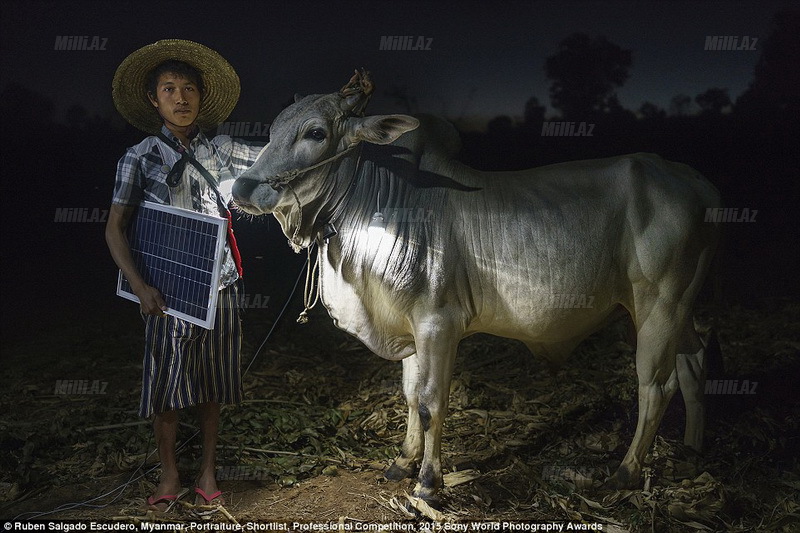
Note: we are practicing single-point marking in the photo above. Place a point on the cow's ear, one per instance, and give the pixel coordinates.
(383, 129)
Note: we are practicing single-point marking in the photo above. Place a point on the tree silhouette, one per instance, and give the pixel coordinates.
(614, 109)
(23, 107)
(499, 125)
(585, 72)
(680, 104)
(714, 100)
(776, 77)
(534, 112)
(650, 111)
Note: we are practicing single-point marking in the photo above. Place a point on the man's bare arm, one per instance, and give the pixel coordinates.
(150, 298)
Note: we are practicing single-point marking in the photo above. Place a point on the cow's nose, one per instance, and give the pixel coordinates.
(243, 188)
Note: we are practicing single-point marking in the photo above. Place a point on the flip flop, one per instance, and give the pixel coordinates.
(169, 499)
(208, 508)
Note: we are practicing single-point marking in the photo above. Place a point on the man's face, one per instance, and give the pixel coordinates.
(177, 99)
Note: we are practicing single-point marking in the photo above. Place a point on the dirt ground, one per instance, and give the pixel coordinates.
(323, 417)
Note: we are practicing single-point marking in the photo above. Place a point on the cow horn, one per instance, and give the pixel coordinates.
(356, 92)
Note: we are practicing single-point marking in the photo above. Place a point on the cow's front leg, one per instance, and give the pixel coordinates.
(436, 342)
(413, 445)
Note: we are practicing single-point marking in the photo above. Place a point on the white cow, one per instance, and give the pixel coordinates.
(494, 252)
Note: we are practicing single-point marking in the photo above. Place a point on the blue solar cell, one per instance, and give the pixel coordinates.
(179, 252)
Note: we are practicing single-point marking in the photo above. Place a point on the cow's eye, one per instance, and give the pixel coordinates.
(318, 134)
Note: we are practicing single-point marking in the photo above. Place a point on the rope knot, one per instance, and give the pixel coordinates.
(311, 291)
(356, 93)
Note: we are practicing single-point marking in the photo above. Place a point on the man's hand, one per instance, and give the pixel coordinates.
(151, 301)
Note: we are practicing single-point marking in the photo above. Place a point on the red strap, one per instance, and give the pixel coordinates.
(237, 257)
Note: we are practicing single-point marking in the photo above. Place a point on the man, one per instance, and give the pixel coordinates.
(177, 88)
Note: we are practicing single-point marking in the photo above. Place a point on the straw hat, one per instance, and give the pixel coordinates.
(130, 92)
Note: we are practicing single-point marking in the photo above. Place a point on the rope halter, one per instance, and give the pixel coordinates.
(355, 94)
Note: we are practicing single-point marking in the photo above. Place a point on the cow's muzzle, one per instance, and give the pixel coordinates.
(243, 188)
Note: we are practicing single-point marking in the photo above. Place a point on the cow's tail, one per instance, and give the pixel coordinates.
(715, 365)
(717, 298)
(715, 276)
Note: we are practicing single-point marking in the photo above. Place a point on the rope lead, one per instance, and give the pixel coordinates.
(311, 291)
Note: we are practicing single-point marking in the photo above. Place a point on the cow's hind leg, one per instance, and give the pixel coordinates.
(414, 443)
(657, 338)
(691, 368)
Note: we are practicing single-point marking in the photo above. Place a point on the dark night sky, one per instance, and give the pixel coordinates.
(486, 58)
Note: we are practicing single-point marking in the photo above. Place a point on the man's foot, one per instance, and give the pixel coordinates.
(207, 495)
(206, 504)
(204, 498)
(165, 502)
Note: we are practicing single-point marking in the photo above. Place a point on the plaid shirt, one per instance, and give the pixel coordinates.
(142, 173)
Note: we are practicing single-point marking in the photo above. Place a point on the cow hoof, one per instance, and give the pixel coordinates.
(431, 501)
(428, 494)
(397, 473)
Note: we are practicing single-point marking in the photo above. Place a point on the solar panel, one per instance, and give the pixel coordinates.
(179, 252)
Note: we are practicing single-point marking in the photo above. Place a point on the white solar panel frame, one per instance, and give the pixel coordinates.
(182, 285)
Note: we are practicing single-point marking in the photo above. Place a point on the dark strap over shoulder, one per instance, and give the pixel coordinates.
(188, 156)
